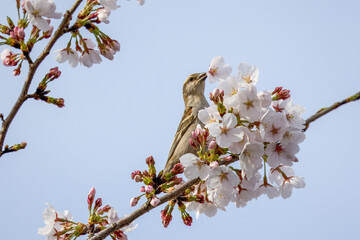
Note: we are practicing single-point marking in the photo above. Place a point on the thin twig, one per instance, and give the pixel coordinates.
(146, 207)
(32, 69)
(324, 111)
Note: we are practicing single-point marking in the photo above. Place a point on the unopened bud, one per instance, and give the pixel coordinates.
(228, 158)
(212, 144)
(214, 164)
(134, 201)
(149, 188)
(192, 143)
(216, 93)
(103, 210)
(142, 189)
(194, 134)
(177, 169)
(16, 72)
(137, 178)
(98, 203)
(155, 201)
(150, 161)
(60, 102)
(135, 173)
(91, 197)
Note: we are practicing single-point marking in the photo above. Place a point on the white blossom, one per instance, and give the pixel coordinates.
(250, 158)
(226, 133)
(209, 115)
(194, 167)
(273, 126)
(289, 184)
(207, 208)
(293, 115)
(51, 227)
(37, 9)
(279, 154)
(249, 104)
(248, 74)
(223, 179)
(67, 54)
(113, 218)
(109, 4)
(218, 70)
(103, 15)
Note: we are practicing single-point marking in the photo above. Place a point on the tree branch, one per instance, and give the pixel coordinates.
(32, 69)
(324, 111)
(146, 207)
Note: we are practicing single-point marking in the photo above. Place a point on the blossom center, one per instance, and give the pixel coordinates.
(212, 71)
(246, 78)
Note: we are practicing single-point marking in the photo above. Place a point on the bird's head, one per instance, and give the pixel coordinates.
(194, 86)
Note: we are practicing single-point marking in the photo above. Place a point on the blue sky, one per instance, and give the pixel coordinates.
(119, 112)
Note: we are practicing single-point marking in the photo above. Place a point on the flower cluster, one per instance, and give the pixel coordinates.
(61, 225)
(156, 184)
(86, 52)
(38, 14)
(259, 130)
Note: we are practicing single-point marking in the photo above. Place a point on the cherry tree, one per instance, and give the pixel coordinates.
(247, 147)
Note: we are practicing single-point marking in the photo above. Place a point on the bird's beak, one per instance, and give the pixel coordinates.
(202, 76)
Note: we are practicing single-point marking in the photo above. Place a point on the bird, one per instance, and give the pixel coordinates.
(194, 99)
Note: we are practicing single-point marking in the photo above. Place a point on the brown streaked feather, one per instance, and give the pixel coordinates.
(187, 119)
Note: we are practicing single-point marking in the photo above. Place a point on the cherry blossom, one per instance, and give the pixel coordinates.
(103, 15)
(109, 4)
(279, 154)
(226, 133)
(67, 54)
(218, 70)
(273, 126)
(51, 226)
(223, 179)
(37, 9)
(250, 158)
(90, 56)
(194, 167)
(248, 75)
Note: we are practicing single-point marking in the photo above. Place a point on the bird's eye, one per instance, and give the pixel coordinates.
(191, 79)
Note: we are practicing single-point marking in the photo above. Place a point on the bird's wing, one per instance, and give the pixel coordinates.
(186, 121)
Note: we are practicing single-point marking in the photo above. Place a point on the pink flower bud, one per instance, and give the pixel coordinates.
(211, 97)
(214, 164)
(228, 158)
(277, 89)
(194, 134)
(150, 160)
(149, 188)
(137, 178)
(16, 72)
(91, 196)
(98, 203)
(192, 143)
(222, 93)
(198, 132)
(134, 201)
(216, 93)
(154, 201)
(177, 169)
(142, 189)
(212, 144)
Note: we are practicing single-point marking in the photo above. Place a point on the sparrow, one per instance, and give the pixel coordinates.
(194, 99)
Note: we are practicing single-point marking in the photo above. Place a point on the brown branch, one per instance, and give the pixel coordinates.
(32, 69)
(324, 111)
(146, 207)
